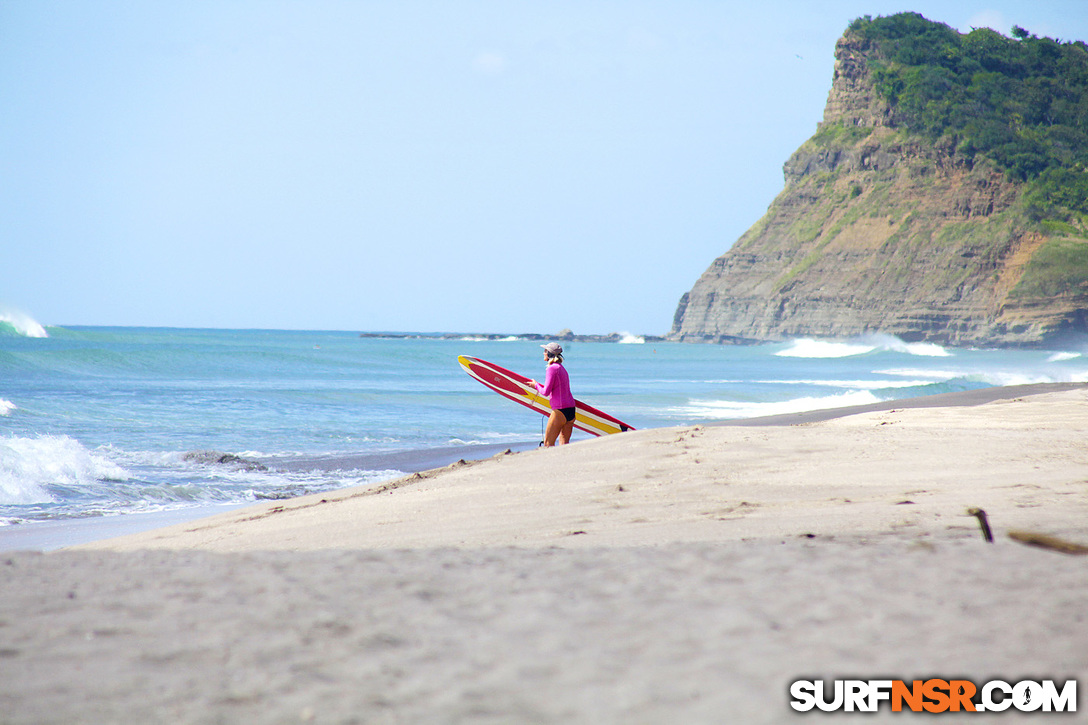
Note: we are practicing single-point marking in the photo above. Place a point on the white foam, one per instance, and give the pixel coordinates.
(471, 338)
(301, 483)
(487, 438)
(806, 347)
(23, 323)
(6, 406)
(851, 384)
(1005, 378)
(998, 378)
(809, 348)
(28, 465)
(626, 338)
(930, 375)
(728, 409)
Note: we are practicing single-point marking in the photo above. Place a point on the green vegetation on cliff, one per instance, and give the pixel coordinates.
(1059, 268)
(1021, 102)
(944, 197)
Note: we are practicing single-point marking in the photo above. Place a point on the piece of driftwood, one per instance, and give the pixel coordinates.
(1045, 541)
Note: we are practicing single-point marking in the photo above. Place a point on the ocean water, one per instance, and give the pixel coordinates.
(101, 421)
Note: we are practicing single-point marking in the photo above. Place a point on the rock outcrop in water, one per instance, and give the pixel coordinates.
(883, 229)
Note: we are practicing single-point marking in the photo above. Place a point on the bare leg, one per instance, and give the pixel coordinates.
(556, 422)
(564, 436)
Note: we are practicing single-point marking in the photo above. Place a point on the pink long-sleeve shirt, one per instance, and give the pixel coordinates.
(556, 387)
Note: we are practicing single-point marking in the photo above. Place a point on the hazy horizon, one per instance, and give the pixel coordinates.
(468, 167)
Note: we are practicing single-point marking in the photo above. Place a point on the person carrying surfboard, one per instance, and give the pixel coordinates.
(523, 391)
(556, 389)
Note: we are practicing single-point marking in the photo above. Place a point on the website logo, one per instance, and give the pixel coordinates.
(933, 695)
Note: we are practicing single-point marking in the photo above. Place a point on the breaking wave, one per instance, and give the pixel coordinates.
(56, 477)
(30, 466)
(728, 409)
(996, 378)
(16, 322)
(805, 347)
(808, 348)
(482, 338)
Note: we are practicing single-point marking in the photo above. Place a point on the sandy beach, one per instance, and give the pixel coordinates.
(668, 575)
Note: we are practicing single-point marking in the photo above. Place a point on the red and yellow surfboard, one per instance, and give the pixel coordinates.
(517, 387)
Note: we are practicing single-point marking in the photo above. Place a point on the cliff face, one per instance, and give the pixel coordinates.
(878, 230)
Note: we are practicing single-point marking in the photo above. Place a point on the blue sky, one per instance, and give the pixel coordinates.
(425, 166)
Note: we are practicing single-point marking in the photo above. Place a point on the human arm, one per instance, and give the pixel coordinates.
(549, 382)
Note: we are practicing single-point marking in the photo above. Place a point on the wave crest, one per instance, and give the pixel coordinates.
(21, 323)
(806, 347)
(28, 466)
(809, 348)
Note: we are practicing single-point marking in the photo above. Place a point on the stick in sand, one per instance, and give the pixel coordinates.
(981, 516)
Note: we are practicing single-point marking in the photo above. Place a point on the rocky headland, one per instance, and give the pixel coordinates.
(887, 226)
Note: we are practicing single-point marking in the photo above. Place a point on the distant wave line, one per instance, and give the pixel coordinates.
(727, 409)
(807, 347)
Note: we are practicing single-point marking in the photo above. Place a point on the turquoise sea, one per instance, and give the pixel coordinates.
(106, 422)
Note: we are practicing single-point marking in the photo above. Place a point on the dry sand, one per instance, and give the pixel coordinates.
(661, 576)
